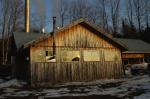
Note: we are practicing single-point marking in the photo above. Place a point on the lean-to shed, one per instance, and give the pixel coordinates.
(137, 51)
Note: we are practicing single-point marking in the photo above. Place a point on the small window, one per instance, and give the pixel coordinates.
(69, 56)
(111, 55)
(49, 56)
(48, 53)
(91, 55)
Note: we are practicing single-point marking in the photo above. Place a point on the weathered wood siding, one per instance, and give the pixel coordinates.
(45, 74)
(77, 38)
(37, 51)
(132, 55)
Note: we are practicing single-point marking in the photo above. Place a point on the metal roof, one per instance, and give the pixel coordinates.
(134, 45)
(22, 38)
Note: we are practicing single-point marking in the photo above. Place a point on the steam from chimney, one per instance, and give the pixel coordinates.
(41, 11)
(56, 10)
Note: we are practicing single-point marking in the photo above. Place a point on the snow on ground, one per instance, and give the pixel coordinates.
(1, 80)
(137, 87)
(143, 96)
(12, 83)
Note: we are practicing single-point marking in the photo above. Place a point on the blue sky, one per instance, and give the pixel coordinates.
(48, 10)
(49, 6)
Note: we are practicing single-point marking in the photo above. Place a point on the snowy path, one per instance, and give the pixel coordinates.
(136, 88)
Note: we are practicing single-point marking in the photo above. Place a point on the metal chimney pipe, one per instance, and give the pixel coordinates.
(27, 16)
(54, 27)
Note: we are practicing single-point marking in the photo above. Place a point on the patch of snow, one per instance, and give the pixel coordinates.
(113, 91)
(128, 72)
(123, 88)
(52, 60)
(1, 97)
(9, 90)
(23, 93)
(55, 92)
(12, 83)
(142, 65)
(8, 77)
(136, 81)
(6, 95)
(2, 80)
(143, 96)
(18, 94)
(96, 82)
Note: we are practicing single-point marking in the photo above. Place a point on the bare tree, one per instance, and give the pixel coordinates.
(9, 23)
(4, 23)
(147, 12)
(102, 6)
(129, 10)
(38, 16)
(138, 8)
(115, 14)
(63, 11)
(81, 9)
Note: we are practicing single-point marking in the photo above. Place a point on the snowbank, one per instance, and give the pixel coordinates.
(126, 87)
(1, 80)
(12, 83)
(143, 96)
(122, 88)
(97, 82)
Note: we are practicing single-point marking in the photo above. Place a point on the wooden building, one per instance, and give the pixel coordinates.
(137, 52)
(78, 52)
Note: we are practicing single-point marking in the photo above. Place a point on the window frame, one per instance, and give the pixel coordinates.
(99, 55)
(49, 53)
(66, 49)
